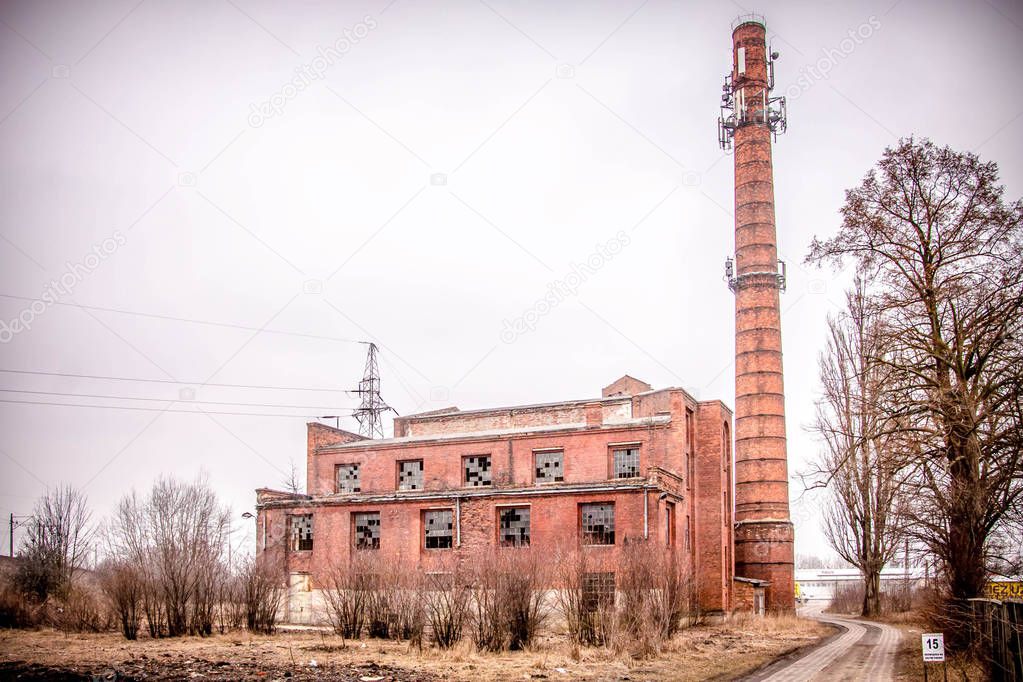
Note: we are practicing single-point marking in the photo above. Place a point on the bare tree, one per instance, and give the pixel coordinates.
(860, 463)
(60, 535)
(293, 482)
(929, 229)
(176, 539)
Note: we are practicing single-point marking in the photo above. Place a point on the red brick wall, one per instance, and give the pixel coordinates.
(553, 526)
(586, 458)
(625, 386)
(318, 436)
(744, 596)
(712, 494)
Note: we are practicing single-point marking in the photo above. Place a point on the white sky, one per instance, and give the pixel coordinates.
(557, 125)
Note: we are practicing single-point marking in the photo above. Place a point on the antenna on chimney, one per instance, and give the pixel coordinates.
(369, 412)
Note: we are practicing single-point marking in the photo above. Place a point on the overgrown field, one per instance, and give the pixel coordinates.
(704, 652)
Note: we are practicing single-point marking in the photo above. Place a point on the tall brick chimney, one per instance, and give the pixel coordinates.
(750, 117)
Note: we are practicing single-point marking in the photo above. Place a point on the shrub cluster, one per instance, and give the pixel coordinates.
(635, 605)
(502, 599)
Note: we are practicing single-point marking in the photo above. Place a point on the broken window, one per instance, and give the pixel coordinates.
(437, 529)
(598, 590)
(477, 470)
(626, 462)
(301, 532)
(550, 466)
(597, 523)
(367, 530)
(513, 526)
(347, 478)
(410, 475)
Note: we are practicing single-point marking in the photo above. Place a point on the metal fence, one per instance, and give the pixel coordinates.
(997, 629)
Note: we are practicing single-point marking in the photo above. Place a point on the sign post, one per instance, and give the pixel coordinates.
(932, 645)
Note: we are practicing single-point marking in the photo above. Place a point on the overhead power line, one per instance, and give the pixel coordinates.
(157, 409)
(172, 318)
(171, 381)
(168, 400)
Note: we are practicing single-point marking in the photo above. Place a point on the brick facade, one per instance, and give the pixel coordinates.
(675, 459)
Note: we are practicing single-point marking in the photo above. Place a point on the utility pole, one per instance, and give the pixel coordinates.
(372, 406)
(16, 522)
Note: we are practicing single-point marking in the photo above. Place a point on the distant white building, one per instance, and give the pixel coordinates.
(819, 584)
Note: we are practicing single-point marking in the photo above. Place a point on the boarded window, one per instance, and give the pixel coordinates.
(513, 526)
(437, 529)
(477, 470)
(626, 462)
(301, 532)
(550, 467)
(598, 590)
(597, 523)
(367, 530)
(410, 475)
(348, 478)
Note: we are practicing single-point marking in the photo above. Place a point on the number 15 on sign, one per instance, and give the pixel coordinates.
(932, 645)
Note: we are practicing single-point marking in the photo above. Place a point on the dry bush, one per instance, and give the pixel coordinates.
(636, 608)
(900, 598)
(123, 586)
(231, 607)
(262, 592)
(347, 589)
(587, 609)
(81, 610)
(15, 610)
(447, 600)
(656, 596)
(408, 607)
(382, 601)
(487, 615)
(524, 595)
(847, 599)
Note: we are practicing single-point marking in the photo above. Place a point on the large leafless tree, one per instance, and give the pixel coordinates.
(59, 538)
(860, 463)
(930, 229)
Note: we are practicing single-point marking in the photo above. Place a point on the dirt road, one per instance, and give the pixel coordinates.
(861, 651)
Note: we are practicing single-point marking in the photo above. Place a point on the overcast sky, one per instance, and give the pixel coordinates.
(308, 175)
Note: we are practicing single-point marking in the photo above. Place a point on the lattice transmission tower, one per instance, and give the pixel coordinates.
(372, 406)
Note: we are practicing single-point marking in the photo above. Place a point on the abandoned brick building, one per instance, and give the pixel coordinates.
(635, 463)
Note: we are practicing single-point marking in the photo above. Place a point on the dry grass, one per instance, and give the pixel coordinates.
(697, 653)
(909, 660)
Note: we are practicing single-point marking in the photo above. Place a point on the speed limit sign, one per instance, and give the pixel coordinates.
(933, 644)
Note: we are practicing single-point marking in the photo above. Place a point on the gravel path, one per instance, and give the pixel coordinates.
(862, 651)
